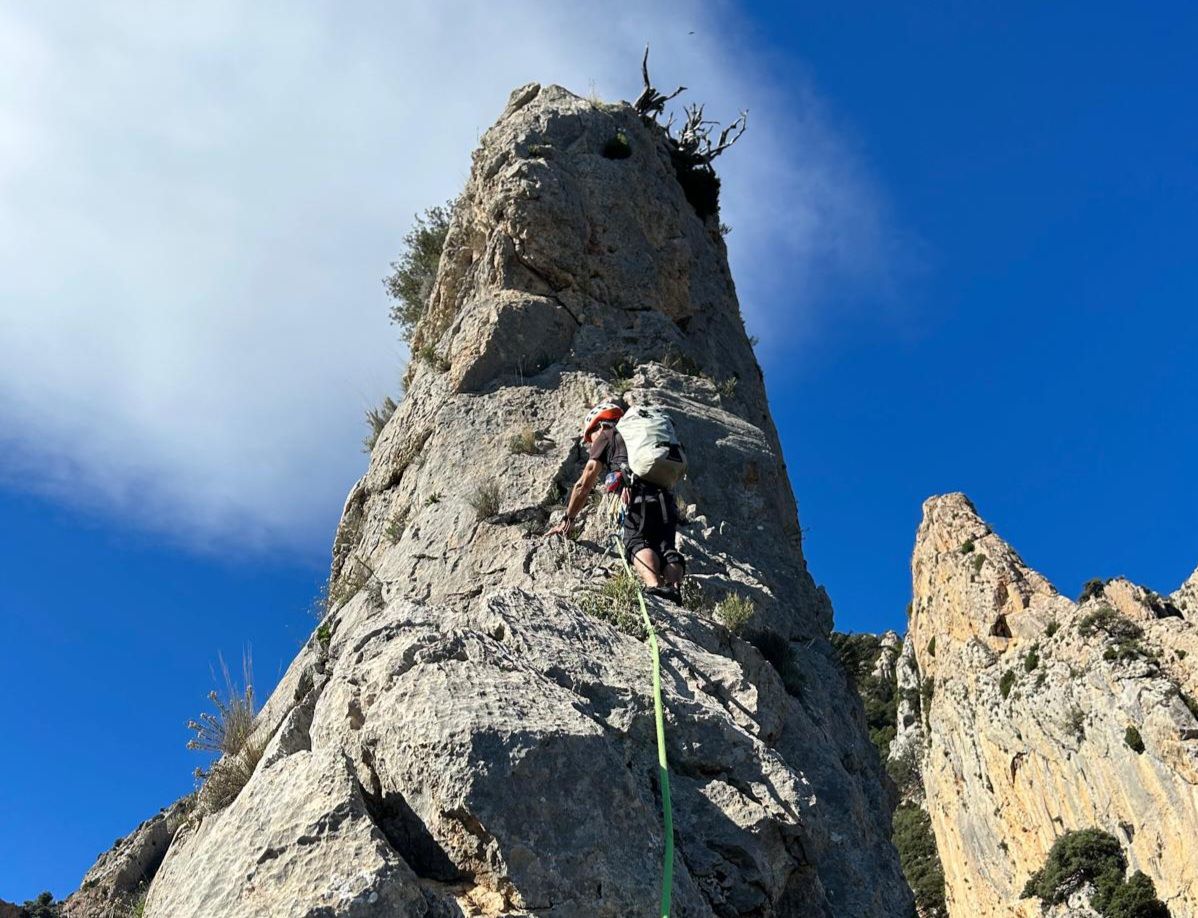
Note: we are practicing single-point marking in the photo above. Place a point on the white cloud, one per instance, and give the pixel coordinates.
(197, 203)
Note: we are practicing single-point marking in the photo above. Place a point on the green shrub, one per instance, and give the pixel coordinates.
(1005, 683)
(1092, 588)
(978, 561)
(1075, 722)
(967, 546)
(857, 654)
(1133, 740)
(1111, 623)
(410, 283)
(485, 501)
(1052, 627)
(1091, 856)
(1032, 658)
(920, 861)
(434, 498)
(727, 387)
(376, 420)
(927, 688)
(616, 603)
(778, 653)
(324, 635)
(734, 612)
(1122, 633)
(904, 770)
(524, 442)
(43, 906)
(428, 354)
(1136, 899)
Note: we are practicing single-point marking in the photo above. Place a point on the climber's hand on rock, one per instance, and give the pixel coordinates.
(562, 529)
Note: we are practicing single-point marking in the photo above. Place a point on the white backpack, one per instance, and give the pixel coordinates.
(654, 453)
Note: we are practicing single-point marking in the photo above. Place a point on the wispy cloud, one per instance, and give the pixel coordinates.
(197, 204)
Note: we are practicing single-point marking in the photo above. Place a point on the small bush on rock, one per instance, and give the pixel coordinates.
(1091, 856)
(1133, 740)
(617, 604)
(376, 420)
(1032, 658)
(1005, 683)
(1092, 588)
(410, 283)
(734, 612)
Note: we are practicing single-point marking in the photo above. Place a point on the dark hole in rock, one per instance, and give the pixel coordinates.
(617, 147)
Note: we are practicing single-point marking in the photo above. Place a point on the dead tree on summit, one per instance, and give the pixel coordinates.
(694, 140)
(650, 102)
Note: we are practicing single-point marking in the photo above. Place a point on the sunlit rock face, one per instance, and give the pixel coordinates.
(1047, 715)
(462, 737)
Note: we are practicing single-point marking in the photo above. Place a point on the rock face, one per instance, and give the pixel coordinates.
(1047, 715)
(460, 737)
(122, 873)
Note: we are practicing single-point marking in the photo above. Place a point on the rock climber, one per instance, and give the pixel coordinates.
(650, 514)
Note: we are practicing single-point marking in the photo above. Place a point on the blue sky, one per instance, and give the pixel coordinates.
(965, 235)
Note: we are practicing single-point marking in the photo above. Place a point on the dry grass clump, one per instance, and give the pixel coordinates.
(228, 732)
(524, 442)
(485, 501)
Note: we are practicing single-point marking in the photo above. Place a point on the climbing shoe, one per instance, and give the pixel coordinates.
(665, 592)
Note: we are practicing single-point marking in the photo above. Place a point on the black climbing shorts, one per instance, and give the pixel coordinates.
(651, 521)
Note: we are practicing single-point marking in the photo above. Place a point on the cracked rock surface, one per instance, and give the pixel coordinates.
(1033, 698)
(465, 738)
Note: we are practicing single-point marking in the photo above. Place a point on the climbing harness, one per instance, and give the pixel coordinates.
(667, 813)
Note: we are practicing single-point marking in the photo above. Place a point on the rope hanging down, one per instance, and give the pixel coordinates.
(667, 812)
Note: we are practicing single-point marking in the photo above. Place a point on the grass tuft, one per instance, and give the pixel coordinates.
(228, 732)
(485, 501)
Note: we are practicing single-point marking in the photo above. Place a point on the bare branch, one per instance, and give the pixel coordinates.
(651, 102)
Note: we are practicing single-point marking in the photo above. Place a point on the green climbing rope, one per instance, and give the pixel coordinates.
(667, 812)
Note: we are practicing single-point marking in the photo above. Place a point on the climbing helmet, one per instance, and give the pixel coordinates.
(603, 413)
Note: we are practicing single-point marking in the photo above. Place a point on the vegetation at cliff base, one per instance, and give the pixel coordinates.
(1093, 857)
(413, 273)
(43, 906)
(858, 653)
(920, 860)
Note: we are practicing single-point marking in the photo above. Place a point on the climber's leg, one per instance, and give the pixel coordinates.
(647, 566)
(675, 568)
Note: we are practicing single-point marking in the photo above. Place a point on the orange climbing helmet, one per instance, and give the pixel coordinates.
(603, 413)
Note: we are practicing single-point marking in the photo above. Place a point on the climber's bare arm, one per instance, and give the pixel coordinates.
(578, 496)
